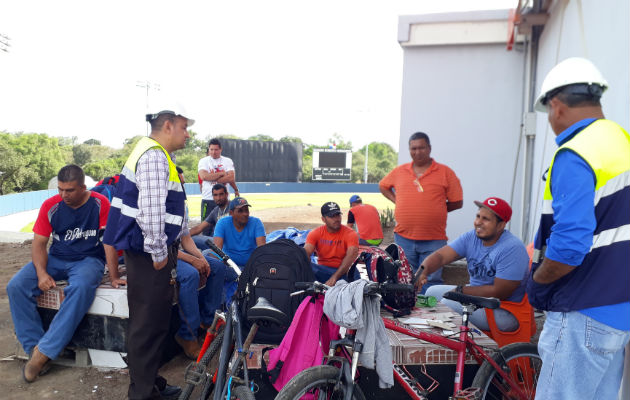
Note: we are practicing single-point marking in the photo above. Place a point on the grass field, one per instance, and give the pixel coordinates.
(262, 201)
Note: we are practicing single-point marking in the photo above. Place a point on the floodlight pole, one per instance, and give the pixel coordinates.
(365, 169)
(147, 85)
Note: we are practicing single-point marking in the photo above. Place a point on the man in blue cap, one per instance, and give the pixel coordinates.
(367, 220)
(239, 234)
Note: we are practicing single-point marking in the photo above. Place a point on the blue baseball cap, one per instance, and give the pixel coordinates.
(354, 198)
(238, 202)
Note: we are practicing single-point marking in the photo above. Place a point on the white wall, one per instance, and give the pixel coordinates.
(600, 32)
(468, 99)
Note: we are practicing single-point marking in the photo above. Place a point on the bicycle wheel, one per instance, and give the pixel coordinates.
(211, 351)
(320, 381)
(521, 361)
(242, 393)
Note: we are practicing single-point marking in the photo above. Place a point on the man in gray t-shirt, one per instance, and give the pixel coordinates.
(205, 230)
(497, 263)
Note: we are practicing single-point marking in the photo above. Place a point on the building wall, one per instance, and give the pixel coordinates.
(598, 31)
(468, 98)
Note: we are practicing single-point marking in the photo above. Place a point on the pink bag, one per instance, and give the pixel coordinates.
(305, 343)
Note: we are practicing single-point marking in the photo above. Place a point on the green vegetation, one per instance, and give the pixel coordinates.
(29, 160)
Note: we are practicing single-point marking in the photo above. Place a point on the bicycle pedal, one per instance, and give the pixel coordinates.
(192, 375)
(467, 394)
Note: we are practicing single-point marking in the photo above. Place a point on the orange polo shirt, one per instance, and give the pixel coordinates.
(421, 202)
(331, 248)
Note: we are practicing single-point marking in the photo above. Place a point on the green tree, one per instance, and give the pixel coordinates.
(81, 154)
(381, 160)
(37, 155)
(104, 168)
(261, 137)
(92, 142)
(290, 139)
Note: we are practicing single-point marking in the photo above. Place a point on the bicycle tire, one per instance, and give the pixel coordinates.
(317, 378)
(242, 393)
(521, 360)
(211, 351)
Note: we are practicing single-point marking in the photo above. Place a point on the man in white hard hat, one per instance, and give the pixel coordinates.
(147, 220)
(580, 272)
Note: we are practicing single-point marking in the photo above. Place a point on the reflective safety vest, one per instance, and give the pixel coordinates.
(122, 230)
(603, 278)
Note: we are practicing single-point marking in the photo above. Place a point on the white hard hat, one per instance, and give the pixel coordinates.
(570, 71)
(172, 107)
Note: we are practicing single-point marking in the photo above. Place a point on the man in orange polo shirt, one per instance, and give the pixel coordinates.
(336, 245)
(367, 220)
(424, 191)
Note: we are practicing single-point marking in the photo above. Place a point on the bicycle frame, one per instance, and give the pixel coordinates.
(463, 345)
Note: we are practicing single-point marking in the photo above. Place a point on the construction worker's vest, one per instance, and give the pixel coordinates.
(122, 231)
(603, 278)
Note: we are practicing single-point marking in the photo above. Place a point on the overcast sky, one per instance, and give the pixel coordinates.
(299, 68)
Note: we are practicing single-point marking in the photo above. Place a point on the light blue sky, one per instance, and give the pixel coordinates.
(290, 67)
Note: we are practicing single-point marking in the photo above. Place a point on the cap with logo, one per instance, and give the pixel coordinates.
(499, 207)
(330, 209)
(238, 202)
(354, 198)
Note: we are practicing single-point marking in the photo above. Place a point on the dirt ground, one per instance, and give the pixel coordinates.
(92, 383)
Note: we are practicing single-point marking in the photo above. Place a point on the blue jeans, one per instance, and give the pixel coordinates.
(83, 278)
(198, 306)
(323, 273)
(200, 241)
(582, 358)
(416, 251)
(504, 319)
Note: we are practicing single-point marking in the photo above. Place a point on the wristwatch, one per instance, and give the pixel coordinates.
(459, 289)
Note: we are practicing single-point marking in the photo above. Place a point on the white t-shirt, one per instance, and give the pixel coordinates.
(213, 165)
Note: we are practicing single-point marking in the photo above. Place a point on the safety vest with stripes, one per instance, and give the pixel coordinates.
(603, 278)
(122, 230)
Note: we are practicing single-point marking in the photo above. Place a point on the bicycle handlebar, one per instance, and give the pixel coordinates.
(224, 257)
(370, 288)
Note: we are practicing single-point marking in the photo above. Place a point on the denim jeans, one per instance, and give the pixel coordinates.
(416, 251)
(323, 273)
(504, 319)
(200, 241)
(198, 306)
(83, 278)
(582, 358)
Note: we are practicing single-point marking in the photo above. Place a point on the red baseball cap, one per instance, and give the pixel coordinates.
(498, 206)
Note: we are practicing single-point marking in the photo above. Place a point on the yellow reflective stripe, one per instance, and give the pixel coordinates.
(610, 236)
(174, 219)
(613, 186)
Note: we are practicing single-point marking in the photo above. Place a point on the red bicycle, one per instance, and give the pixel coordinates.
(510, 372)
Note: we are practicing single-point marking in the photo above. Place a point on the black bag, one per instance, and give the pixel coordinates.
(271, 272)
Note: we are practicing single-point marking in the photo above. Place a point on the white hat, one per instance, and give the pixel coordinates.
(172, 107)
(571, 71)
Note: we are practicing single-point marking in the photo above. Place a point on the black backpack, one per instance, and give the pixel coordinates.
(271, 272)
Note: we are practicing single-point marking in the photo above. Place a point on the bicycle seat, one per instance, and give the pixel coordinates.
(478, 301)
(264, 311)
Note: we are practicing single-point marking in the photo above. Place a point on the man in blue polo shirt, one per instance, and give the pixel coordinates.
(580, 270)
(239, 234)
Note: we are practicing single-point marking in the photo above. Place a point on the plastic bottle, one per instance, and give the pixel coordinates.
(426, 301)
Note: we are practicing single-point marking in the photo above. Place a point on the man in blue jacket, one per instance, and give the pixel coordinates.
(580, 271)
